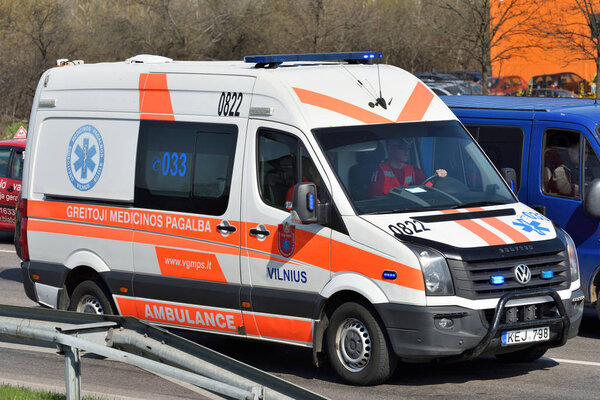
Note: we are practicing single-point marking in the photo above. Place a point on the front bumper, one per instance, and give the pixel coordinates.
(416, 332)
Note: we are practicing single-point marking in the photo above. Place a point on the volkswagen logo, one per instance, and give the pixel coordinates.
(522, 273)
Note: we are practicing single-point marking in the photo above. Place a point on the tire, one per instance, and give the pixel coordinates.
(90, 297)
(598, 303)
(523, 356)
(357, 346)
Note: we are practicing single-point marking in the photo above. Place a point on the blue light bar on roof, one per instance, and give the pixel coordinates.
(357, 56)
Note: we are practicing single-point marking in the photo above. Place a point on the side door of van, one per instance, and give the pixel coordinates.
(187, 189)
(285, 265)
(564, 161)
(506, 144)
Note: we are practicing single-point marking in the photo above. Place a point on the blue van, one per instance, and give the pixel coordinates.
(553, 146)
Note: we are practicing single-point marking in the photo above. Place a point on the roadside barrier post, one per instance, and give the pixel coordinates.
(72, 372)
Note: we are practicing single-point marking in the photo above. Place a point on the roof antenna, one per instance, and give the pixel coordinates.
(380, 101)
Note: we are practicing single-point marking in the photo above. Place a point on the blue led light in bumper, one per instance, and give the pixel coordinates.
(497, 280)
(390, 275)
(547, 274)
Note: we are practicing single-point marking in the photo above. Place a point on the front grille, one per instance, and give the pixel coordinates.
(472, 280)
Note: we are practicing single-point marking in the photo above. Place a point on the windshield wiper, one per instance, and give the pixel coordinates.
(406, 210)
(480, 204)
(386, 212)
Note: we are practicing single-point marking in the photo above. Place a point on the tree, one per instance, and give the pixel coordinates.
(489, 28)
(576, 37)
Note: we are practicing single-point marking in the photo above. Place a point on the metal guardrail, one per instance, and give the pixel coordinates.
(128, 340)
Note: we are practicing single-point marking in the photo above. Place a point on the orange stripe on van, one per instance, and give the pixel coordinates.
(250, 324)
(284, 328)
(508, 230)
(339, 106)
(489, 237)
(187, 225)
(343, 257)
(417, 104)
(308, 247)
(155, 98)
(349, 258)
(126, 306)
(66, 228)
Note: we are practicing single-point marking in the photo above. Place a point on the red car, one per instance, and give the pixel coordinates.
(11, 171)
(509, 84)
(562, 80)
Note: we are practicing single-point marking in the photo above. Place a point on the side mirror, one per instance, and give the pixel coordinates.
(510, 176)
(591, 202)
(306, 208)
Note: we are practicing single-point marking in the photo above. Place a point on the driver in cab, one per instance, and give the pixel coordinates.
(396, 171)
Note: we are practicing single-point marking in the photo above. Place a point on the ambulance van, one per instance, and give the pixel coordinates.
(260, 199)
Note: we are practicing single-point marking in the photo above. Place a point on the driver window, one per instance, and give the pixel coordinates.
(281, 157)
(560, 174)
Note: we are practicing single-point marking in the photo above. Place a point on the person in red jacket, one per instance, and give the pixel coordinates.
(396, 171)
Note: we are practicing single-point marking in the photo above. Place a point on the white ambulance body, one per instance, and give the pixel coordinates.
(162, 190)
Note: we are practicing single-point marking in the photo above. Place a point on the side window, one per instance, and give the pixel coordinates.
(16, 169)
(503, 145)
(184, 166)
(591, 164)
(4, 160)
(560, 173)
(280, 159)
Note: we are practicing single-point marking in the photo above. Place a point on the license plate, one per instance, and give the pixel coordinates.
(526, 336)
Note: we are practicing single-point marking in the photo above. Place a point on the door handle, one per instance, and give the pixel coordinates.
(259, 232)
(226, 228)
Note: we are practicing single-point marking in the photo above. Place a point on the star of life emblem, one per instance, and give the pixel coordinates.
(85, 158)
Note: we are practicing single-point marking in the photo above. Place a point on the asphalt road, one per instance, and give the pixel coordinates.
(569, 372)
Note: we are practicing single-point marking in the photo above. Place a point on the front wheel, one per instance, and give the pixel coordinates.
(523, 356)
(357, 346)
(89, 297)
(598, 303)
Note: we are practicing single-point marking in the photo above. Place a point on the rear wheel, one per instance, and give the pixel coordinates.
(523, 356)
(357, 346)
(90, 297)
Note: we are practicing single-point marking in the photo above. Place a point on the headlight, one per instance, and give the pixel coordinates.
(438, 281)
(573, 261)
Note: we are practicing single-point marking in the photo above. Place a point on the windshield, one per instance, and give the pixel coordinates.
(411, 167)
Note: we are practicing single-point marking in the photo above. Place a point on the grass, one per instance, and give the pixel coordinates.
(19, 393)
